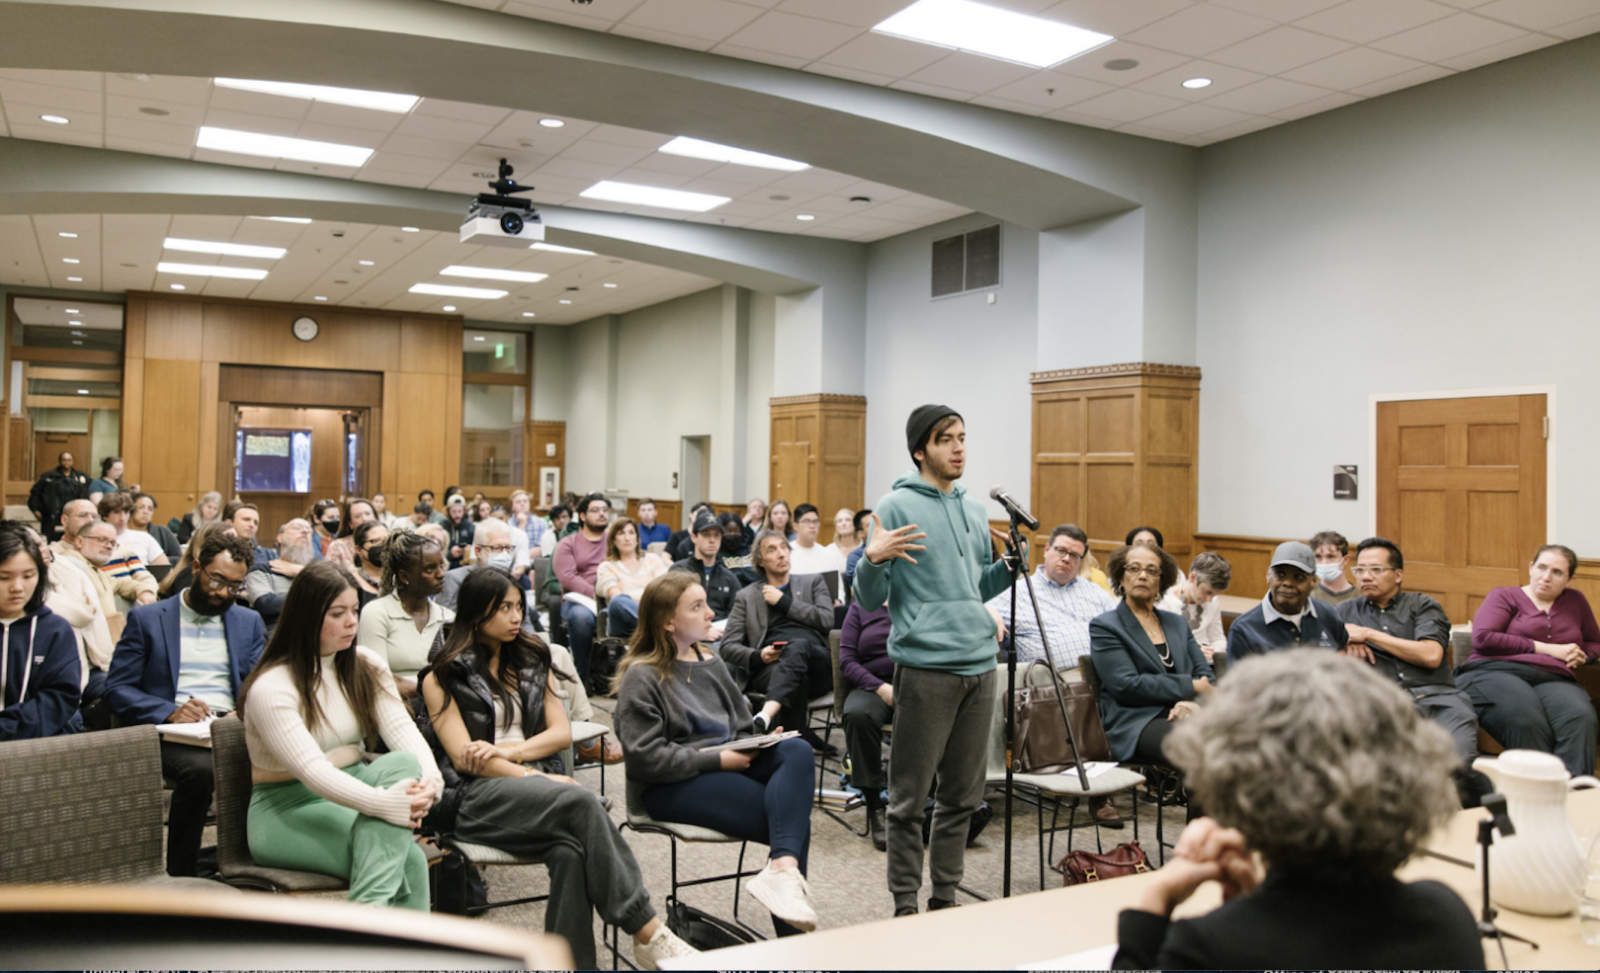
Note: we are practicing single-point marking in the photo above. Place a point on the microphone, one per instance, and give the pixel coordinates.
(1018, 513)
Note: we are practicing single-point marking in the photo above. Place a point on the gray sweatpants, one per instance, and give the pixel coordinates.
(941, 728)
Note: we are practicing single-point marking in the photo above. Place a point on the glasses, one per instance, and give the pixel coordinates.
(1368, 572)
(213, 584)
(107, 541)
(1134, 571)
(809, 521)
(496, 548)
(1064, 553)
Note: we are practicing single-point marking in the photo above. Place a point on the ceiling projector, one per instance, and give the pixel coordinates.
(500, 219)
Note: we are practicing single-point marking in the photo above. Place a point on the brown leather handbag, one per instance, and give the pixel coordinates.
(1042, 715)
(1086, 866)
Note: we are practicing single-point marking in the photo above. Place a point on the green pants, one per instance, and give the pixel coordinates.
(290, 827)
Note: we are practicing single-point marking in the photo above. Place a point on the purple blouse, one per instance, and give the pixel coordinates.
(864, 648)
(1508, 623)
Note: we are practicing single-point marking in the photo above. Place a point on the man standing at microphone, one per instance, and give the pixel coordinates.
(943, 646)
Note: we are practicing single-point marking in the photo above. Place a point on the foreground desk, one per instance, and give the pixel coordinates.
(1041, 926)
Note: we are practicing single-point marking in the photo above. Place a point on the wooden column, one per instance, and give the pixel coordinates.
(1116, 447)
(819, 448)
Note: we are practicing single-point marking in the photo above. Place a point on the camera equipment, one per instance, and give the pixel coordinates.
(500, 219)
(1499, 821)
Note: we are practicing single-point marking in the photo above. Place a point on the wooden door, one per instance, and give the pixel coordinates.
(47, 446)
(1461, 489)
(792, 474)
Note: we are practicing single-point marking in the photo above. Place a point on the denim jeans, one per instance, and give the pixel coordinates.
(622, 617)
(580, 635)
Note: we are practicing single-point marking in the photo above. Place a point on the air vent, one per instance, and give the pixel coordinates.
(967, 262)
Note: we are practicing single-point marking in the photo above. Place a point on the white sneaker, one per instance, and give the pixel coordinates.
(665, 944)
(786, 895)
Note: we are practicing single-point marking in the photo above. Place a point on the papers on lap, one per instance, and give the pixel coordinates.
(751, 743)
(197, 734)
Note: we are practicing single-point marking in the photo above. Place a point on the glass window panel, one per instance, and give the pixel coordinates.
(497, 352)
(491, 434)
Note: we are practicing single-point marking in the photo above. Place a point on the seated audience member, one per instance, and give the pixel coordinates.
(315, 702)
(324, 520)
(42, 677)
(1146, 535)
(755, 512)
(779, 520)
(720, 583)
(76, 515)
(266, 585)
(458, 531)
(531, 525)
(492, 702)
(438, 535)
(1333, 553)
(806, 556)
(1332, 777)
(142, 518)
(491, 547)
(1195, 598)
(380, 506)
(72, 594)
(183, 660)
(342, 549)
(139, 547)
(181, 577)
(109, 480)
(845, 537)
(776, 642)
(859, 525)
(1288, 617)
(1091, 570)
(401, 624)
(93, 548)
(681, 544)
(576, 564)
(425, 499)
(560, 520)
(1526, 642)
(367, 552)
(246, 520)
(1152, 672)
(207, 511)
(621, 577)
(1066, 602)
(674, 698)
(736, 555)
(481, 508)
(651, 532)
(421, 516)
(869, 673)
(54, 489)
(1405, 636)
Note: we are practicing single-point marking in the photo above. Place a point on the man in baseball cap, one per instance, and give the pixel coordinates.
(1288, 617)
(720, 583)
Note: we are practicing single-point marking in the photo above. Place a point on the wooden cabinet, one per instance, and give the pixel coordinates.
(819, 445)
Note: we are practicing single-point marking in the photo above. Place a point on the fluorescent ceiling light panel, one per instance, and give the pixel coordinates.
(223, 249)
(489, 273)
(284, 219)
(281, 147)
(443, 290)
(991, 31)
(555, 249)
(354, 97)
(625, 192)
(210, 270)
(700, 149)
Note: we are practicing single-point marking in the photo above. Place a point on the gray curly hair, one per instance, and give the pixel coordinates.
(1324, 767)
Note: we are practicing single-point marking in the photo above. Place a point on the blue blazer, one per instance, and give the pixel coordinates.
(142, 686)
(1134, 686)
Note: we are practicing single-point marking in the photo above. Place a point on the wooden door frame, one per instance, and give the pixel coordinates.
(1549, 393)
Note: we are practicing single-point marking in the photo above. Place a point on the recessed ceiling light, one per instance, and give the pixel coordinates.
(1121, 64)
(366, 263)
(354, 97)
(53, 119)
(73, 310)
(281, 147)
(83, 391)
(527, 314)
(77, 342)
(443, 290)
(210, 270)
(780, 197)
(805, 217)
(69, 260)
(478, 337)
(69, 236)
(555, 249)
(608, 285)
(563, 301)
(176, 287)
(701, 149)
(552, 123)
(134, 77)
(490, 273)
(624, 192)
(409, 229)
(283, 219)
(76, 280)
(991, 31)
(1197, 83)
(449, 307)
(223, 249)
(78, 334)
(319, 298)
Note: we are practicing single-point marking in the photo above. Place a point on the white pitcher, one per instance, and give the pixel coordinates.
(1541, 869)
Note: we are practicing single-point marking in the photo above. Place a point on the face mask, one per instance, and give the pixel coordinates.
(501, 561)
(331, 525)
(1329, 572)
(374, 555)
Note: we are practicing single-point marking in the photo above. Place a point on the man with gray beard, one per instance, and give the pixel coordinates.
(266, 584)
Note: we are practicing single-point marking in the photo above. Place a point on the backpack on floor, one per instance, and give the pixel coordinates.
(703, 930)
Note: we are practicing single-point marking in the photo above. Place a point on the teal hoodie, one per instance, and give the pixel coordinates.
(936, 605)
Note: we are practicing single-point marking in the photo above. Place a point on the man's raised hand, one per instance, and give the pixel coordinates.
(887, 545)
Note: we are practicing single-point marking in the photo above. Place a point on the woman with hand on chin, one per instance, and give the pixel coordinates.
(674, 696)
(313, 706)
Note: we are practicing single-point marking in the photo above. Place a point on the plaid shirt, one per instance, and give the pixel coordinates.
(1066, 611)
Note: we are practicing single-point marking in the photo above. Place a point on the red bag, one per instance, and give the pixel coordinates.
(1086, 866)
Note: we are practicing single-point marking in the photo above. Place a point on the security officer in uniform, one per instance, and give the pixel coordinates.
(53, 491)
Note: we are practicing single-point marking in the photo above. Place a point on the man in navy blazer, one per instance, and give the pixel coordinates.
(182, 660)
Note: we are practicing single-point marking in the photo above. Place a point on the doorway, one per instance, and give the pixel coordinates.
(262, 435)
(695, 467)
(1461, 487)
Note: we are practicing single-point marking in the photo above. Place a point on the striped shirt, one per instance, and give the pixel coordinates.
(1066, 609)
(203, 668)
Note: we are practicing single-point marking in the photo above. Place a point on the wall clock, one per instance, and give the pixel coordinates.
(305, 328)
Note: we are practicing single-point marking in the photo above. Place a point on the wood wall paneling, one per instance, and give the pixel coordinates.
(169, 468)
(174, 330)
(819, 453)
(539, 435)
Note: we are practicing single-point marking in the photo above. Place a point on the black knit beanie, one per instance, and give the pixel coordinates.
(923, 419)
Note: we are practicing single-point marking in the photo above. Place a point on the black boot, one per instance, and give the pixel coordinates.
(878, 828)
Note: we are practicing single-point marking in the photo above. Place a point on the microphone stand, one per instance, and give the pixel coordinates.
(1495, 804)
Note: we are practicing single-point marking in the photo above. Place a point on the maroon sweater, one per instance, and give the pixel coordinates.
(864, 648)
(1507, 624)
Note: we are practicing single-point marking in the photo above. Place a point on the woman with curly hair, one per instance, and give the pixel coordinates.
(1330, 775)
(401, 624)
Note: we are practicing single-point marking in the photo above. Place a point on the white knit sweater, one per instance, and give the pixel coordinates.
(280, 742)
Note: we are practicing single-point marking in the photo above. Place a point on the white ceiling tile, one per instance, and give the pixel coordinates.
(854, 13)
(1407, 79)
(663, 37)
(761, 57)
(1268, 96)
(1451, 37)
(1200, 29)
(849, 74)
(1049, 90)
(1362, 21)
(161, 88)
(341, 134)
(618, 135)
(1114, 17)
(1351, 69)
(149, 130)
(1223, 78)
(1465, 4)
(260, 124)
(972, 73)
(814, 181)
(118, 106)
(798, 37)
(1195, 119)
(651, 177)
(66, 101)
(1150, 132)
(91, 81)
(879, 192)
(676, 164)
(82, 126)
(605, 152)
(349, 117)
(117, 143)
(1317, 106)
(423, 148)
(1279, 50)
(1075, 118)
(1126, 105)
(1242, 128)
(1283, 11)
(1538, 14)
(443, 129)
(1003, 104)
(1093, 64)
(575, 169)
(1577, 28)
(711, 20)
(256, 103)
(486, 115)
(884, 55)
(559, 12)
(931, 90)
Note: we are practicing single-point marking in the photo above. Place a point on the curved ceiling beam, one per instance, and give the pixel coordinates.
(1037, 173)
(45, 177)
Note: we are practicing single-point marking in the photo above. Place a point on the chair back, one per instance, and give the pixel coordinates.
(1219, 665)
(230, 762)
(1086, 669)
(840, 690)
(1460, 646)
(541, 573)
(656, 547)
(82, 808)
